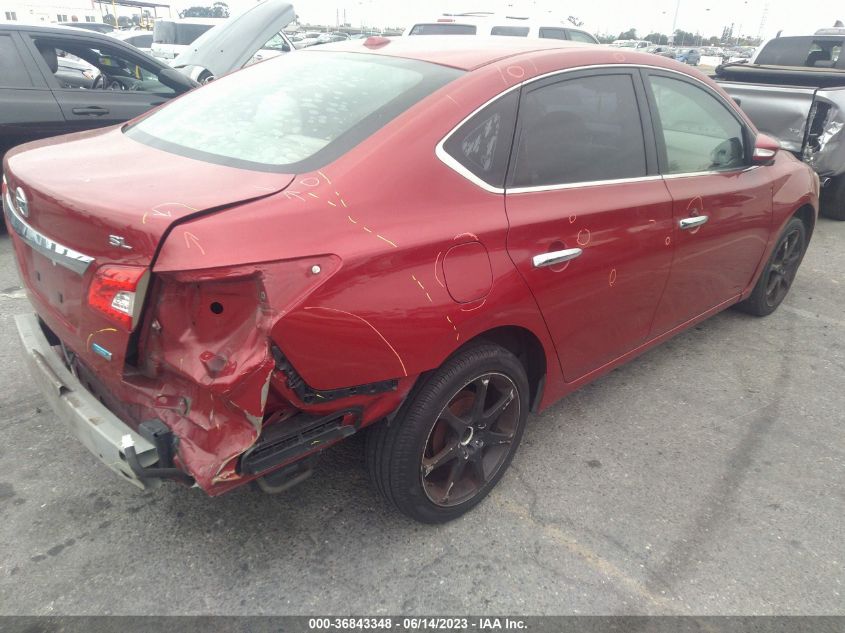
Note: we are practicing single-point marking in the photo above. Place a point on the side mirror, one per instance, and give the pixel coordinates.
(286, 48)
(176, 80)
(765, 148)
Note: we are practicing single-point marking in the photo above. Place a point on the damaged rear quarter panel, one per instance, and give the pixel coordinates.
(383, 313)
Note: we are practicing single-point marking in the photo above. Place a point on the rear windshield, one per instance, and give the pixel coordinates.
(177, 33)
(811, 52)
(293, 113)
(440, 28)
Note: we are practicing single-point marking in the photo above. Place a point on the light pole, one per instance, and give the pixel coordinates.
(674, 22)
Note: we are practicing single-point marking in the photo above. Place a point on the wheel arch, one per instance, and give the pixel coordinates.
(527, 347)
(807, 215)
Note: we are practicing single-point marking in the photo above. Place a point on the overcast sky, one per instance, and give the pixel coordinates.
(600, 16)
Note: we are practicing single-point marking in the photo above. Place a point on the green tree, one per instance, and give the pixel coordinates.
(630, 34)
(657, 38)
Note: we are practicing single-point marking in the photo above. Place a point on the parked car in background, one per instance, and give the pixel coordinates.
(99, 27)
(335, 36)
(262, 301)
(794, 89)
(635, 44)
(304, 40)
(498, 25)
(243, 39)
(689, 56)
(172, 36)
(55, 80)
(664, 51)
(142, 40)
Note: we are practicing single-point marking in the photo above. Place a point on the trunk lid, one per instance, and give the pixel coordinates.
(87, 189)
(101, 198)
(230, 45)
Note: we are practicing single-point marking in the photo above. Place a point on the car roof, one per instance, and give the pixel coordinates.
(56, 29)
(465, 52)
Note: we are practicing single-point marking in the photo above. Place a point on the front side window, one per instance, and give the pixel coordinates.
(482, 144)
(75, 64)
(513, 31)
(699, 132)
(441, 28)
(293, 113)
(580, 130)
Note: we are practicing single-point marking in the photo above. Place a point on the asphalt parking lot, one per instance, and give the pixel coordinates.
(705, 477)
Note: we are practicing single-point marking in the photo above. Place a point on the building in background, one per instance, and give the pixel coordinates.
(129, 12)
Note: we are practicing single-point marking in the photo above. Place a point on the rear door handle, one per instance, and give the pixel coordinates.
(91, 111)
(693, 222)
(555, 257)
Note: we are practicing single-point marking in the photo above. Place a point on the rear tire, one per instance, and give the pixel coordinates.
(452, 442)
(776, 279)
(833, 199)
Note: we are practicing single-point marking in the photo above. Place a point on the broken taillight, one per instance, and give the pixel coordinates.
(117, 293)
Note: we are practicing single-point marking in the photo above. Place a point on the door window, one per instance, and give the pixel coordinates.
(482, 144)
(552, 33)
(580, 130)
(12, 71)
(76, 64)
(513, 31)
(581, 36)
(699, 132)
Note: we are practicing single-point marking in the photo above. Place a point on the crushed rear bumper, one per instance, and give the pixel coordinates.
(100, 430)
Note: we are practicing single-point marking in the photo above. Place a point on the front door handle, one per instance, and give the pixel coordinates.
(555, 257)
(91, 111)
(693, 222)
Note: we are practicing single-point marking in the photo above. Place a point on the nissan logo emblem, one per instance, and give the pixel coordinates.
(21, 202)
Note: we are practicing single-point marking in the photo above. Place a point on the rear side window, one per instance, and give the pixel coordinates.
(293, 113)
(580, 130)
(513, 31)
(482, 145)
(812, 52)
(581, 36)
(699, 132)
(12, 71)
(439, 28)
(552, 33)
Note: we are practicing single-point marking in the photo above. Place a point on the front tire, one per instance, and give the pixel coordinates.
(780, 271)
(454, 439)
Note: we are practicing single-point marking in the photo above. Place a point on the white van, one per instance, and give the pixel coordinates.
(481, 23)
(172, 36)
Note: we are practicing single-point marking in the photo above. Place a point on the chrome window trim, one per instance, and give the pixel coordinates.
(59, 253)
(453, 164)
(715, 172)
(589, 183)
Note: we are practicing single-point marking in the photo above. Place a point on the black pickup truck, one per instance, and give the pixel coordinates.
(794, 89)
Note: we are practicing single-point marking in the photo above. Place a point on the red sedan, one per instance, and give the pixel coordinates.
(430, 238)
